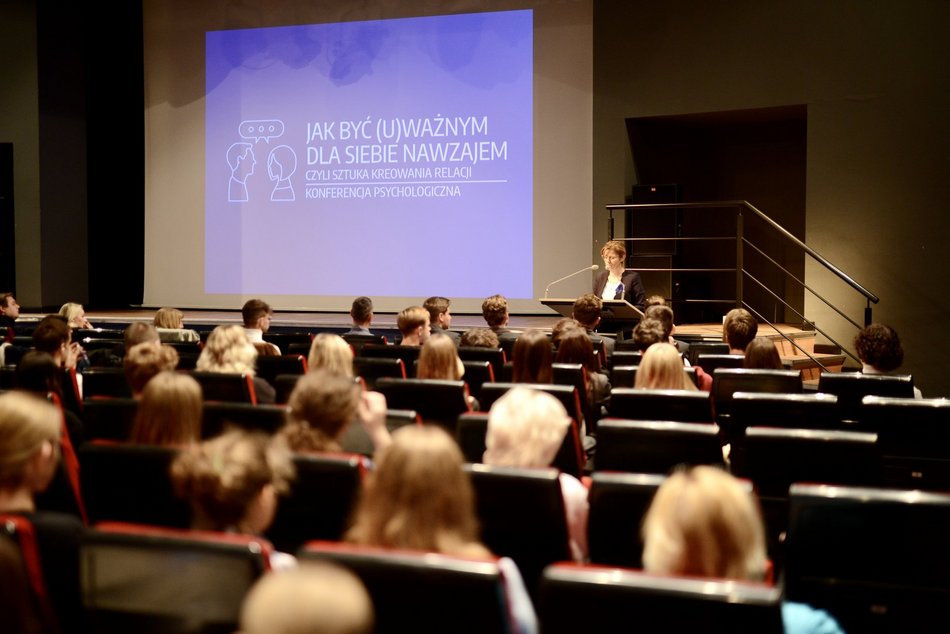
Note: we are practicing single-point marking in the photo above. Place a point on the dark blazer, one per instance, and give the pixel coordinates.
(633, 290)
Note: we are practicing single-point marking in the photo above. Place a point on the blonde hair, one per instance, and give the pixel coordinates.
(227, 350)
(169, 318)
(169, 412)
(143, 361)
(316, 597)
(439, 359)
(221, 477)
(614, 246)
(320, 407)
(70, 310)
(26, 422)
(332, 353)
(411, 318)
(525, 429)
(419, 497)
(662, 369)
(703, 523)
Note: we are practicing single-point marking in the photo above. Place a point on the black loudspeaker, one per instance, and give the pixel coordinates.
(7, 221)
(653, 223)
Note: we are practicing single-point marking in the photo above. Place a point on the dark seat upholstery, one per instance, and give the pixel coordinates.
(105, 382)
(914, 438)
(712, 362)
(727, 381)
(851, 387)
(109, 418)
(611, 597)
(436, 401)
(320, 500)
(521, 512)
(150, 579)
(655, 446)
(625, 357)
(408, 354)
(357, 341)
(219, 415)
(875, 559)
(477, 373)
(283, 340)
(566, 394)
(130, 483)
(473, 428)
(220, 386)
(685, 406)
(371, 369)
(284, 384)
(424, 592)
(269, 367)
(495, 356)
(618, 503)
(20, 531)
(697, 348)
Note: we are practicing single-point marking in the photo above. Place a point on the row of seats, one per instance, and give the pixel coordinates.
(875, 559)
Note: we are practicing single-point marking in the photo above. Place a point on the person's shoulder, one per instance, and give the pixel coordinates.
(800, 618)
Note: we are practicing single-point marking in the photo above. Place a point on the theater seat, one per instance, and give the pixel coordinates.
(851, 387)
(217, 416)
(655, 446)
(269, 367)
(415, 591)
(371, 369)
(232, 387)
(436, 401)
(597, 599)
(685, 406)
(109, 418)
(21, 533)
(105, 382)
(408, 354)
(149, 579)
(495, 356)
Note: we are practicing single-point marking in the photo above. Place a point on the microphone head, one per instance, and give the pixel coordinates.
(594, 267)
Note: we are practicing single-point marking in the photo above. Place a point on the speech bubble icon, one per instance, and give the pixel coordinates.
(266, 129)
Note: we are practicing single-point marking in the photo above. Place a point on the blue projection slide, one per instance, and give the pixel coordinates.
(381, 158)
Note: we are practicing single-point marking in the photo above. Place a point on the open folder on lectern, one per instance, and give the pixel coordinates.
(614, 310)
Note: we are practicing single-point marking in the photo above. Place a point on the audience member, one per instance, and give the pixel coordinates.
(9, 312)
(647, 332)
(880, 351)
(330, 352)
(479, 338)
(38, 373)
(703, 523)
(29, 457)
(576, 347)
(654, 300)
(170, 324)
(662, 369)
(587, 313)
(232, 483)
(321, 407)
(738, 329)
(316, 598)
(228, 351)
(257, 315)
(532, 358)
(143, 361)
(438, 359)
(419, 498)
(440, 317)
(413, 324)
(526, 428)
(762, 354)
(495, 313)
(562, 326)
(139, 332)
(75, 315)
(169, 411)
(664, 314)
(616, 281)
(53, 335)
(362, 314)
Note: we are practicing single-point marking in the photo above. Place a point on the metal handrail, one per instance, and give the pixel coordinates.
(740, 272)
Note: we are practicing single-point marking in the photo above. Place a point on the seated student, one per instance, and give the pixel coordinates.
(440, 317)
(9, 312)
(330, 352)
(169, 411)
(439, 359)
(75, 315)
(29, 455)
(532, 358)
(232, 483)
(53, 336)
(413, 324)
(479, 338)
(880, 351)
(576, 347)
(702, 523)
(145, 360)
(525, 429)
(362, 314)
(170, 324)
(762, 354)
(228, 351)
(495, 314)
(739, 329)
(316, 598)
(419, 498)
(662, 369)
(651, 331)
(257, 315)
(664, 314)
(587, 313)
(561, 327)
(321, 407)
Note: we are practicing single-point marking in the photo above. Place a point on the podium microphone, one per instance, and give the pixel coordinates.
(592, 267)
